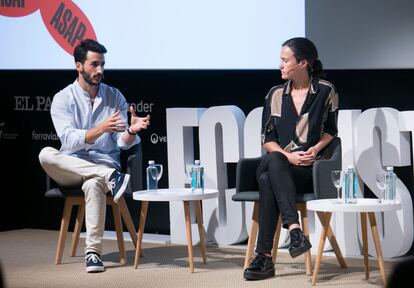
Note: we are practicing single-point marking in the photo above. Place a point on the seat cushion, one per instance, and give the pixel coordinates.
(72, 192)
(67, 192)
(246, 196)
(303, 198)
(254, 196)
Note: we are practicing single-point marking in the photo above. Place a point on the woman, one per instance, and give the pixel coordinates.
(299, 120)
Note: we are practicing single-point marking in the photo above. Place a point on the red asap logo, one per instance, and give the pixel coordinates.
(65, 21)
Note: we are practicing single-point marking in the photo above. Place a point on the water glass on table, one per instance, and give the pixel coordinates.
(337, 177)
(154, 173)
(382, 184)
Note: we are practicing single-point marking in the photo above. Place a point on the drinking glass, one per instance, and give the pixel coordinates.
(382, 184)
(337, 178)
(156, 173)
(189, 171)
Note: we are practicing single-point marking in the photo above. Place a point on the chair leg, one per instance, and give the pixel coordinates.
(80, 201)
(64, 224)
(276, 238)
(119, 232)
(305, 225)
(117, 210)
(253, 235)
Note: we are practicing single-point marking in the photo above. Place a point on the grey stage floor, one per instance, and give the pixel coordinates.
(27, 260)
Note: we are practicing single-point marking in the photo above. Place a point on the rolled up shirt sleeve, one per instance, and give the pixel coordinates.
(331, 122)
(72, 138)
(268, 131)
(124, 146)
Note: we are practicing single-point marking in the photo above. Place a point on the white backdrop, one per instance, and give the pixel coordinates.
(164, 34)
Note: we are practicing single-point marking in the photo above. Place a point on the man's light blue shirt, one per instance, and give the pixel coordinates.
(73, 114)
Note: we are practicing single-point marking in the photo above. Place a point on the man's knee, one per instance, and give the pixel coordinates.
(93, 185)
(44, 155)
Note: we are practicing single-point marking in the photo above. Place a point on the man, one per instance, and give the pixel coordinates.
(91, 121)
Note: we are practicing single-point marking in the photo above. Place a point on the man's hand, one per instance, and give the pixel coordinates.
(138, 123)
(113, 123)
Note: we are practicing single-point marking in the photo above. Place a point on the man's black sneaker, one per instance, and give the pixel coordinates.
(261, 267)
(299, 243)
(94, 263)
(117, 184)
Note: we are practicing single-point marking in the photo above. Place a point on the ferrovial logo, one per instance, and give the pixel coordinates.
(155, 138)
(51, 136)
(28, 103)
(4, 135)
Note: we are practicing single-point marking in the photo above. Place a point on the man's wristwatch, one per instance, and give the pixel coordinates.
(130, 133)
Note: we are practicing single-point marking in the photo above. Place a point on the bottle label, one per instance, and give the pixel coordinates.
(351, 187)
(391, 186)
(197, 178)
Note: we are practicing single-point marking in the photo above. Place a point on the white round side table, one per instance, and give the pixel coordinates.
(366, 207)
(175, 194)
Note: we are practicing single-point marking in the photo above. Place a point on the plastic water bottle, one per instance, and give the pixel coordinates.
(197, 177)
(151, 182)
(391, 181)
(351, 185)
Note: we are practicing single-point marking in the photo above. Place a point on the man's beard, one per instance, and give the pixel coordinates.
(88, 79)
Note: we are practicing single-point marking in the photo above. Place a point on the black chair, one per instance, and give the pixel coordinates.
(131, 163)
(247, 190)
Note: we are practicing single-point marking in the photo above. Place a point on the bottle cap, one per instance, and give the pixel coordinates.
(151, 162)
(390, 168)
(350, 166)
(196, 161)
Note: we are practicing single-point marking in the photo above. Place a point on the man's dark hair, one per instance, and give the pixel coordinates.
(87, 45)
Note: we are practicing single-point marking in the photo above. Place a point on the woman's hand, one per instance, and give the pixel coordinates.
(308, 157)
(303, 158)
(294, 157)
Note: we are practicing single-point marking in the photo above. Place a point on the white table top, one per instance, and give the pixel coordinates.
(174, 194)
(362, 205)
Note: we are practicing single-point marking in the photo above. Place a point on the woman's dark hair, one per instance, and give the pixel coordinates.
(304, 49)
(87, 45)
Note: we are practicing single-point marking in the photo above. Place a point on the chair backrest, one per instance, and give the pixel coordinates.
(131, 163)
(246, 175)
(322, 183)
